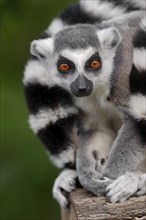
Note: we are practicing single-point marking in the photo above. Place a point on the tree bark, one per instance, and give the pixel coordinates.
(86, 206)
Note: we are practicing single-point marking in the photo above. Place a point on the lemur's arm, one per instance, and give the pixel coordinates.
(90, 159)
(126, 165)
(122, 176)
(66, 182)
(129, 150)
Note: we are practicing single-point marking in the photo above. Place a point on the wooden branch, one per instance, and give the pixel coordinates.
(85, 206)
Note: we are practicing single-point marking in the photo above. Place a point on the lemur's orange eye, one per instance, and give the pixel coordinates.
(64, 67)
(95, 64)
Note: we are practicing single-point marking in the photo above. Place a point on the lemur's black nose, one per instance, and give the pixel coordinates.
(82, 89)
(81, 86)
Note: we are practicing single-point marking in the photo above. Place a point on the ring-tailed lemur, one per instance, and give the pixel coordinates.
(56, 115)
(126, 163)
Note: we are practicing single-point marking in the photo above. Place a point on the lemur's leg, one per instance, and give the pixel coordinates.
(123, 163)
(66, 181)
(127, 151)
(121, 159)
(129, 184)
(90, 159)
(52, 116)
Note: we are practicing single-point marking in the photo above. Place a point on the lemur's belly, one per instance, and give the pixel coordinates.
(101, 123)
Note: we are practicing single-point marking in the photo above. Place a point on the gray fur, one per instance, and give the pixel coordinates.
(89, 172)
(129, 19)
(76, 37)
(122, 68)
(128, 150)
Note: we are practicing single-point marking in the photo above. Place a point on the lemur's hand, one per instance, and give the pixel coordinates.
(89, 170)
(66, 181)
(142, 187)
(95, 182)
(101, 185)
(125, 186)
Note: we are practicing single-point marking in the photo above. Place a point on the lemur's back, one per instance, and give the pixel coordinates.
(92, 12)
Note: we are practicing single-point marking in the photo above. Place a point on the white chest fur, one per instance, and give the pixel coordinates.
(102, 116)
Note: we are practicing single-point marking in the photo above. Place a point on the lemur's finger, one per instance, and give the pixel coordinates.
(57, 194)
(142, 190)
(68, 184)
(125, 197)
(115, 198)
(122, 188)
(66, 181)
(114, 184)
(121, 196)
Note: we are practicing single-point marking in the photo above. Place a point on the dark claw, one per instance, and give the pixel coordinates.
(67, 205)
(72, 183)
(108, 199)
(107, 190)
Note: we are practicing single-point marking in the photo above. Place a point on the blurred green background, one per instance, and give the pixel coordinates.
(27, 176)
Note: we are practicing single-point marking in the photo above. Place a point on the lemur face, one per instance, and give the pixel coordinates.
(81, 57)
(80, 67)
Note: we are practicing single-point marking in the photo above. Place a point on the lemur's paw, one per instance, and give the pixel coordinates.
(102, 185)
(97, 184)
(124, 187)
(65, 183)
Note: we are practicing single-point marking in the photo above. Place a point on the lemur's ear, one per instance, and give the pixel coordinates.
(109, 38)
(42, 48)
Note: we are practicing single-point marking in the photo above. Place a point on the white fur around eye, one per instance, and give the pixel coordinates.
(78, 56)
